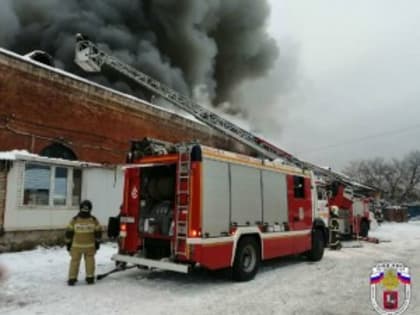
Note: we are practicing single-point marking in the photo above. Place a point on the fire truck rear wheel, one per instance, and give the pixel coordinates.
(364, 228)
(247, 259)
(317, 251)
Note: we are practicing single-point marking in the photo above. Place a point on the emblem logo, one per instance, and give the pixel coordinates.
(390, 288)
(134, 193)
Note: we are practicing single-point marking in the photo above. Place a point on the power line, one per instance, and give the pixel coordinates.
(365, 138)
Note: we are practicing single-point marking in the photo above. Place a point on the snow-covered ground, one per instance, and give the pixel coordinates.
(339, 284)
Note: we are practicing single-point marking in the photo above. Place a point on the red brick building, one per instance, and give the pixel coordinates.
(43, 109)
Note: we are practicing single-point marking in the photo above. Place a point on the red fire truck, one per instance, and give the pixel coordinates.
(354, 210)
(353, 203)
(187, 204)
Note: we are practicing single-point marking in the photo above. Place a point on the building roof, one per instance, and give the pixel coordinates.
(72, 76)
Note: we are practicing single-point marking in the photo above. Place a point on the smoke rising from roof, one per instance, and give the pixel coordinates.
(184, 43)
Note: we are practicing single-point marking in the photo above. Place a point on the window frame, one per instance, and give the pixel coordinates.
(69, 186)
(22, 199)
(53, 184)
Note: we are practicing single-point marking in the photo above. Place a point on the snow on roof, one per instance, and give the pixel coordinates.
(27, 59)
(11, 155)
(23, 155)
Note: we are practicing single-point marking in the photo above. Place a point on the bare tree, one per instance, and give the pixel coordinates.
(411, 176)
(398, 180)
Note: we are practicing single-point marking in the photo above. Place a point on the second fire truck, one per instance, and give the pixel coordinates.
(353, 202)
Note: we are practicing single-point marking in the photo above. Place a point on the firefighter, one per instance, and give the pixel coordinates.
(83, 237)
(334, 228)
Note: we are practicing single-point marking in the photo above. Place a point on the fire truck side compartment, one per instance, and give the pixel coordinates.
(243, 195)
(274, 197)
(216, 200)
(246, 195)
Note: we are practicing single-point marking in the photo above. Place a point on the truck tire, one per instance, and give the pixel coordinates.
(317, 251)
(247, 259)
(364, 228)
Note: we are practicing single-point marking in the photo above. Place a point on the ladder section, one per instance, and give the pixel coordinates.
(204, 115)
(182, 202)
(91, 58)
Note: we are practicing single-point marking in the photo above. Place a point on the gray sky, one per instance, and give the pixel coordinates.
(352, 70)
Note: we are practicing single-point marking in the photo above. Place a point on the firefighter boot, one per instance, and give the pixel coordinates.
(71, 282)
(90, 280)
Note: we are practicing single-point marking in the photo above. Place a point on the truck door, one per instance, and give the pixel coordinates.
(299, 197)
(130, 212)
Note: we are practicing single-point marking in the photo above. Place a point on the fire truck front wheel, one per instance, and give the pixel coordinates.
(247, 259)
(317, 251)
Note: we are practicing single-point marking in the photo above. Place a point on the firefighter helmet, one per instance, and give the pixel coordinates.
(334, 210)
(86, 206)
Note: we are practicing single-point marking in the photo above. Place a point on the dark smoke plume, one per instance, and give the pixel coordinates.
(185, 43)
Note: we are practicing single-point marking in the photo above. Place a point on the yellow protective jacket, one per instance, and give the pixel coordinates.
(83, 232)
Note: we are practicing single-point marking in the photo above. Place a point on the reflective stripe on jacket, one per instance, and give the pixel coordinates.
(85, 231)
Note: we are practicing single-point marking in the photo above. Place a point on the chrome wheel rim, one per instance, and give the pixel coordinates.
(249, 258)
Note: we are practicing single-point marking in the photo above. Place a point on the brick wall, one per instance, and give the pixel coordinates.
(39, 106)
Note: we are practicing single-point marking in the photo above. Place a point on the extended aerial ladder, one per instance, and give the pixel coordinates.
(91, 59)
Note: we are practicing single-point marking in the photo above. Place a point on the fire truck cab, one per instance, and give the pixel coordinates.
(187, 204)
